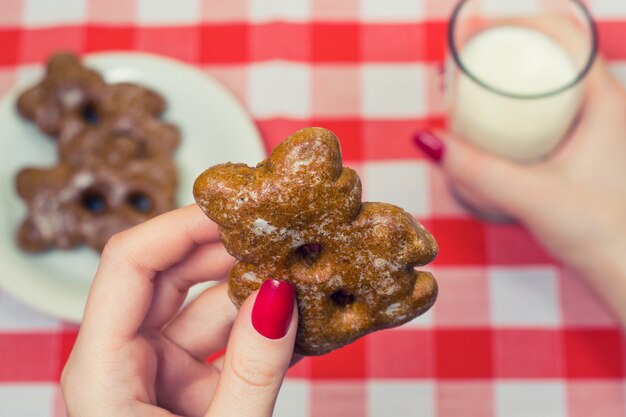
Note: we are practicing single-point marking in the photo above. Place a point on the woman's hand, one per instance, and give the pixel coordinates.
(137, 354)
(574, 202)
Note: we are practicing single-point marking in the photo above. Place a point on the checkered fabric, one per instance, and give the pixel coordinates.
(512, 334)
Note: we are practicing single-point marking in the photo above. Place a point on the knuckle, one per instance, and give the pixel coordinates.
(254, 372)
(115, 244)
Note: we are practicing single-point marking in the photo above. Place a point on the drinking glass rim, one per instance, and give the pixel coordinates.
(581, 75)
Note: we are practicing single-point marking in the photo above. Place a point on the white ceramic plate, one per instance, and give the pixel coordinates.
(215, 128)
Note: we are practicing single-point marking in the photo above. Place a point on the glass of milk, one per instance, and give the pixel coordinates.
(516, 73)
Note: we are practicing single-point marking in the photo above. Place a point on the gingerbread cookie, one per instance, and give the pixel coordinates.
(298, 217)
(68, 90)
(72, 94)
(70, 205)
(124, 136)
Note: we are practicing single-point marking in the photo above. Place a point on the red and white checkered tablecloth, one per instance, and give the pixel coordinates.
(512, 334)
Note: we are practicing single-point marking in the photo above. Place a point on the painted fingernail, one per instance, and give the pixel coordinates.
(273, 308)
(430, 144)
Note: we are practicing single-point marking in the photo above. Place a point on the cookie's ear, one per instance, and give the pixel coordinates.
(28, 181)
(61, 62)
(220, 190)
(30, 238)
(28, 102)
(397, 234)
(312, 153)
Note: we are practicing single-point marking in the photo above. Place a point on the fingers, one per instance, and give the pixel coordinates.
(202, 328)
(485, 179)
(123, 287)
(209, 262)
(258, 353)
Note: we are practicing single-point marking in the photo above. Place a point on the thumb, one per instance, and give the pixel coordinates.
(258, 353)
(483, 179)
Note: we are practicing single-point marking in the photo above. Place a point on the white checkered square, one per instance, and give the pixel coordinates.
(15, 316)
(392, 10)
(279, 88)
(168, 12)
(608, 9)
(403, 183)
(27, 400)
(280, 10)
(525, 296)
(530, 399)
(618, 69)
(293, 399)
(27, 75)
(425, 321)
(394, 91)
(400, 398)
(57, 12)
(505, 8)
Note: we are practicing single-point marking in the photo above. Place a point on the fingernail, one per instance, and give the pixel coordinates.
(430, 144)
(273, 308)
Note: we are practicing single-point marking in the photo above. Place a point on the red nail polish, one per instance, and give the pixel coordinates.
(430, 144)
(273, 308)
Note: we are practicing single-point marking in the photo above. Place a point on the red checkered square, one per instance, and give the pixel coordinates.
(336, 91)
(228, 43)
(224, 11)
(336, 42)
(403, 42)
(332, 10)
(612, 35)
(511, 244)
(393, 139)
(181, 42)
(393, 42)
(345, 399)
(349, 133)
(29, 357)
(300, 370)
(10, 41)
(111, 11)
(68, 340)
(463, 297)
(464, 353)
(593, 353)
(437, 41)
(274, 131)
(528, 354)
(11, 14)
(465, 399)
(580, 306)
(595, 398)
(102, 38)
(38, 44)
(401, 354)
(345, 363)
(461, 241)
(277, 40)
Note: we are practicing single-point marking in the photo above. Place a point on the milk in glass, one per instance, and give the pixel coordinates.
(518, 61)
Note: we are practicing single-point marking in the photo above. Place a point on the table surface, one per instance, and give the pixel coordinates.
(512, 334)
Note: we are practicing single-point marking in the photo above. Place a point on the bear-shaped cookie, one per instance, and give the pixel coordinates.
(298, 217)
